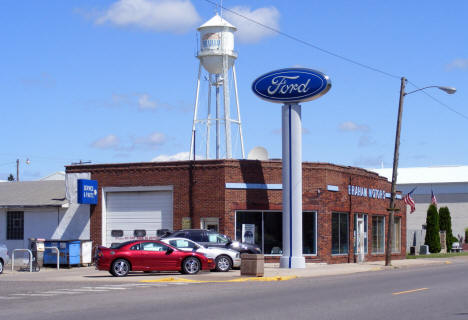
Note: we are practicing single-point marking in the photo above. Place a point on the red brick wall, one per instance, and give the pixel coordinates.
(199, 191)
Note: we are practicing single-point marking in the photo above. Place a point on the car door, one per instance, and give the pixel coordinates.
(158, 256)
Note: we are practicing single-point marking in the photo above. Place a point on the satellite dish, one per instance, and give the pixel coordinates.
(258, 153)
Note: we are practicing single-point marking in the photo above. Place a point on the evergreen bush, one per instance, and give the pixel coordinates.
(445, 224)
(466, 235)
(432, 229)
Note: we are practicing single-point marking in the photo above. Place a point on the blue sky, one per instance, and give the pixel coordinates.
(114, 81)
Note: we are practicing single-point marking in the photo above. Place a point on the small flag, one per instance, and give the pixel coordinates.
(409, 201)
(433, 198)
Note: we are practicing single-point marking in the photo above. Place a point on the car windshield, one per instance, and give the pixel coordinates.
(218, 238)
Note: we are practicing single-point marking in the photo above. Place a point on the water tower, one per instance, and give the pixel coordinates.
(217, 57)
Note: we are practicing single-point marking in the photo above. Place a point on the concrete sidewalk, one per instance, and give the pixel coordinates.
(272, 272)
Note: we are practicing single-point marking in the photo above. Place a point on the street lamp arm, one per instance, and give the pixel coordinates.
(448, 90)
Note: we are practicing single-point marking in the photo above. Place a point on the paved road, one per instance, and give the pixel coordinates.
(426, 292)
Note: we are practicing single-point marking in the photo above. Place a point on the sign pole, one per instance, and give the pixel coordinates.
(292, 187)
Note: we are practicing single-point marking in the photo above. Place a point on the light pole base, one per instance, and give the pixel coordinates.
(292, 262)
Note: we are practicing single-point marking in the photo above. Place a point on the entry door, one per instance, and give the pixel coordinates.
(360, 234)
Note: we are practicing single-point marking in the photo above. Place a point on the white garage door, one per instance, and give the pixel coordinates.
(137, 215)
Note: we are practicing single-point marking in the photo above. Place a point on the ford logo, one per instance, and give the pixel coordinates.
(291, 85)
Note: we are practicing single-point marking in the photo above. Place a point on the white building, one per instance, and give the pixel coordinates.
(39, 209)
(450, 186)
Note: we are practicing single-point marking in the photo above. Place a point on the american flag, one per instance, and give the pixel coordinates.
(409, 201)
(433, 198)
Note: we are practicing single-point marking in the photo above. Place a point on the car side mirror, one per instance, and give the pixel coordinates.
(169, 251)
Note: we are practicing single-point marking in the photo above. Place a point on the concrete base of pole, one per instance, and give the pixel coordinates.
(296, 262)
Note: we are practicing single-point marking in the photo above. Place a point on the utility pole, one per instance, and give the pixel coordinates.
(392, 209)
(17, 170)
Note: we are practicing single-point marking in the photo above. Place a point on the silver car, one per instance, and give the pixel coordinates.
(3, 257)
(225, 259)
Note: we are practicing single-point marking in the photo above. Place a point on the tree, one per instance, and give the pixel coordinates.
(432, 229)
(11, 177)
(445, 223)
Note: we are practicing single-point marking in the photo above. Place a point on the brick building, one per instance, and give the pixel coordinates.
(340, 205)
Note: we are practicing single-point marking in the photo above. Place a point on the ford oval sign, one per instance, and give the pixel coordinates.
(291, 85)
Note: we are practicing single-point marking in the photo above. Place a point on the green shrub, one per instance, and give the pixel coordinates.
(432, 230)
(445, 224)
(466, 235)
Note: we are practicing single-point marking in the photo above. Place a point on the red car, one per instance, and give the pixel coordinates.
(149, 255)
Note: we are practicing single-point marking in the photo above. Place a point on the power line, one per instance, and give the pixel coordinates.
(438, 101)
(304, 42)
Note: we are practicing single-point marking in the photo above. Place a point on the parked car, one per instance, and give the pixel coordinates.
(150, 255)
(224, 258)
(3, 257)
(209, 239)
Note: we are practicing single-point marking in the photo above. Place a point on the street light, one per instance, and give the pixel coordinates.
(17, 167)
(449, 90)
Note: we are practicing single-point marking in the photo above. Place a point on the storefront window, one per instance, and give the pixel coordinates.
(378, 234)
(396, 236)
(273, 232)
(250, 220)
(339, 233)
(309, 230)
(267, 229)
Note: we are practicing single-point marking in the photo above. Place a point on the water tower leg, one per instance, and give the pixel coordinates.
(234, 75)
(208, 121)
(195, 113)
(227, 108)
(292, 187)
(218, 128)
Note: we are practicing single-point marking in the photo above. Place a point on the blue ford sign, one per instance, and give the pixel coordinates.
(291, 85)
(87, 191)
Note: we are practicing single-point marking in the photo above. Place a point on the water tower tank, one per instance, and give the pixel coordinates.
(216, 41)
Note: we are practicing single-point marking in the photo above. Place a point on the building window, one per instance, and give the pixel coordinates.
(267, 229)
(309, 232)
(378, 234)
(339, 233)
(396, 236)
(15, 225)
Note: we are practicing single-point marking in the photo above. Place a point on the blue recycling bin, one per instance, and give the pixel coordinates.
(70, 252)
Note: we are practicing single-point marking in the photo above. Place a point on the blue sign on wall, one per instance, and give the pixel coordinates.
(291, 85)
(87, 191)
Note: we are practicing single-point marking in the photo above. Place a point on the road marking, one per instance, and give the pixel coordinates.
(409, 291)
(111, 288)
(32, 294)
(9, 298)
(186, 281)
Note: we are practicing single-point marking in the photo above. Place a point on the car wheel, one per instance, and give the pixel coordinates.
(120, 268)
(191, 265)
(1, 266)
(223, 263)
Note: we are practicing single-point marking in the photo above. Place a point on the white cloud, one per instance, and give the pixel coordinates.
(108, 142)
(459, 64)
(144, 102)
(176, 16)
(248, 31)
(351, 126)
(152, 140)
(175, 157)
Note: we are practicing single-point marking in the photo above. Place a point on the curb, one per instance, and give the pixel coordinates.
(259, 279)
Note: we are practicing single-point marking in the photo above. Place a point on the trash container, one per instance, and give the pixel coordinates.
(70, 252)
(86, 252)
(252, 265)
